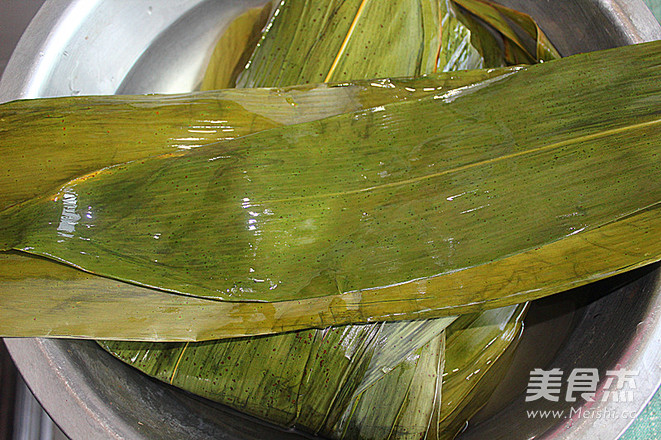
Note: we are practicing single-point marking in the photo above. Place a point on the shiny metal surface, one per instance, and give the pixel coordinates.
(104, 47)
(95, 46)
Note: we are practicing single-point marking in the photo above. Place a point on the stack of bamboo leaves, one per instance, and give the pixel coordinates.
(369, 172)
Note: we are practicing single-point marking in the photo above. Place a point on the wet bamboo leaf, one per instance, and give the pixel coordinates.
(402, 404)
(486, 42)
(300, 217)
(395, 371)
(646, 253)
(38, 301)
(342, 40)
(501, 19)
(234, 47)
(20, 273)
(306, 378)
(463, 44)
(481, 344)
(71, 137)
(407, 413)
(406, 90)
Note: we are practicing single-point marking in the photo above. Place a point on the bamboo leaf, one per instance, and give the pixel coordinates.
(305, 379)
(71, 137)
(637, 226)
(33, 304)
(486, 42)
(402, 404)
(234, 48)
(459, 47)
(404, 89)
(501, 18)
(482, 346)
(279, 229)
(20, 273)
(395, 371)
(366, 39)
(410, 419)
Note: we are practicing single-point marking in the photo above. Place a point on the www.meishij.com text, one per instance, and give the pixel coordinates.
(581, 413)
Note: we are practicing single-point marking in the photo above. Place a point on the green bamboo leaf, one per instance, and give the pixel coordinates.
(234, 47)
(590, 263)
(280, 229)
(70, 303)
(480, 357)
(459, 49)
(307, 379)
(21, 273)
(402, 404)
(309, 41)
(71, 137)
(404, 89)
(321, 398)
(408, 413)
(393, 348)
(501, 19)
(486, 42)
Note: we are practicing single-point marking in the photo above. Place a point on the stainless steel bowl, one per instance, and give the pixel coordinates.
(106, 47)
